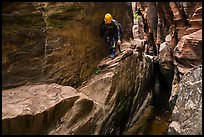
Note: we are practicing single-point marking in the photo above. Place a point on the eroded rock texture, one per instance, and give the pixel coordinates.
(58, 42)
(179, 23)
(188, 52)
(118, 89)
(34, 109)
(175, 18)
(187, 113)
(108, 103)
(55, 41)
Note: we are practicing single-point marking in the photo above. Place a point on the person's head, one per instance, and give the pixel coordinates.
(108, 18)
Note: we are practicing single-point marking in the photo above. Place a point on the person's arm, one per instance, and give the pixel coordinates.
(120, 34)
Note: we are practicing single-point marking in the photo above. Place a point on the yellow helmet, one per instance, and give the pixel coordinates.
(108, 18)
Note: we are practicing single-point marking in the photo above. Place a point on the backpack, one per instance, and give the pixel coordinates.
(118, 26)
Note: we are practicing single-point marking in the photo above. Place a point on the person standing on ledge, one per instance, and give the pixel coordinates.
(112, 32)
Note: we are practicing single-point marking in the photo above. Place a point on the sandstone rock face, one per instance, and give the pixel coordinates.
(188, 52)
(186, 39)
(104, 104)
(117, 89)
(187, 113)
(166, 62)
(152, 18)
(55, 41)
(62, 45)
(158, 17)
(23, 40)
(195, 20)
(188, 17)
(37, 109)
(34, 109)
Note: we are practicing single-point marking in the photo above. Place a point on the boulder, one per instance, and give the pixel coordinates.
(35, 109)
(188, 52)
(187, 112)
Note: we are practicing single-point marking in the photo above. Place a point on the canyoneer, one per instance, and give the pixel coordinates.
(111, 31)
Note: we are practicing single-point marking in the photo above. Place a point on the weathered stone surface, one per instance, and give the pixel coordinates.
(34, 109)
(158, 17)
(139, 127)
(187, 113)
(166, 62)
(138, 29)
(116, 89)
(114, 101)
(99, 106)
(195, 20)
(55, 41)
(180, 18)
(188, 17)
(23, 40)
(143, 82)
(188, 52)
(84, 118)
(99, 87)
(42, 109)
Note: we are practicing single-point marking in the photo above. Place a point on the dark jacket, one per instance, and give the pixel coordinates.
(112, 30)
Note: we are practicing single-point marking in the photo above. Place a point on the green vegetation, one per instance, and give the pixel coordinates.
(97, 71)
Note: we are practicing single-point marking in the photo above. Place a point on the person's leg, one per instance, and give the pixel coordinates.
(113, 45)
(109, 44)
